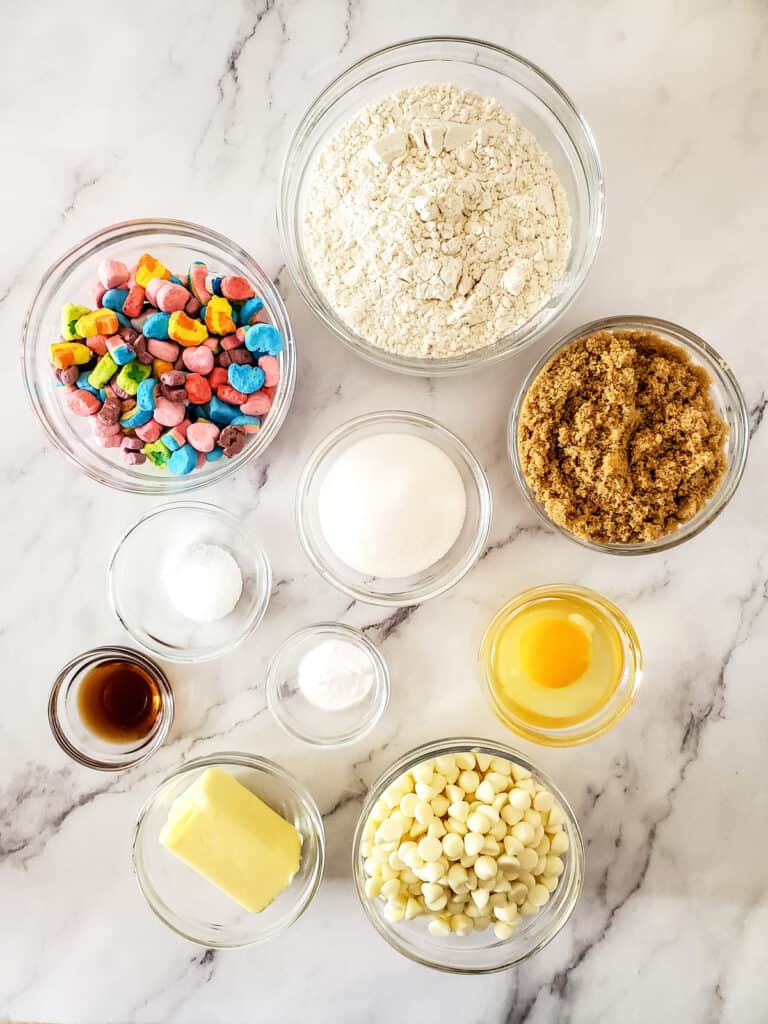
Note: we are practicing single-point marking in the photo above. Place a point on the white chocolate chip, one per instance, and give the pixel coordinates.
(439, 926)
(467, 855)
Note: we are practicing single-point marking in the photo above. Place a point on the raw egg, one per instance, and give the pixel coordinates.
(553, 661)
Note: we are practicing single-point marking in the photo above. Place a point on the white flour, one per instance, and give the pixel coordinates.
(434, 222)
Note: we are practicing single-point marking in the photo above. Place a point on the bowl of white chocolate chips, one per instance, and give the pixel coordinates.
(467, 857)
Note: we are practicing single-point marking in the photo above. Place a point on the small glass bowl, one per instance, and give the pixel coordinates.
(534, 98)
(191, 905)
(71, 278)
(620, 701)
(137, 589)
(481, 952)
(729, 403)
(303, 719)
(76, 740)
(435, 580)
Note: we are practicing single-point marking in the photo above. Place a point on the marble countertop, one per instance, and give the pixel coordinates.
(134, 110)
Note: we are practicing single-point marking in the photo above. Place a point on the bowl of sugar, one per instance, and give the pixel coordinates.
(393, 509)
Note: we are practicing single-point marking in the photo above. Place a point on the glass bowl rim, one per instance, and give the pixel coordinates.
(420, 422)
(718, 369)
(58, 271)
(382, 684)
(526, 336)
(260, 558)
(253, 762)
(96, 655)
(554, 737)
(453, 745)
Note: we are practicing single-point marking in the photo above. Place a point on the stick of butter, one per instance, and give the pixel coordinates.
(229, 836)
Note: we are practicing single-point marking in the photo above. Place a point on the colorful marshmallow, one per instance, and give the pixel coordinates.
(170, 371)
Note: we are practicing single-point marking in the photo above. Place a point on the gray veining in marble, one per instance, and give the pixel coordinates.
(114, 111)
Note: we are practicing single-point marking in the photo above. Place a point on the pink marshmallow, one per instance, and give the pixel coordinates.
(82, 403)
(271, 367)
(113, 273)
(167, 350)
(149, 431)
(171, 298)
(97, 343)
(108, 440)
(170, 414)
(153, 287)
(258, 404)
(202, 436)
(198, 360)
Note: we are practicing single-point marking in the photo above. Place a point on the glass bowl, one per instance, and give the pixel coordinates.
(71, 733)
(539, 104)
(622, 697)
(304, 720)
(481, 952)
(138, 593)
(191, 905)
(729, 403)
(70, 279)
(437, 578)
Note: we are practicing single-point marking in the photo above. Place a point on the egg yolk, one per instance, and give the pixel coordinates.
(554, 652)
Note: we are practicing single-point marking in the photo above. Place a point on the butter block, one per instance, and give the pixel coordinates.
(231, 837)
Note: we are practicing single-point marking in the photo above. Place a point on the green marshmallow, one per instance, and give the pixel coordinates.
(131, 375)
(103, 372)
(157, 453)
(70, 314)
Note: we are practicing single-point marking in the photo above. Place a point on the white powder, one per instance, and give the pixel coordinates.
(335, 675)
(392, 505)
(203, 582)
(434, 222)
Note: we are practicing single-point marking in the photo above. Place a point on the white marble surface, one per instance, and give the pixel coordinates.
(114, 111)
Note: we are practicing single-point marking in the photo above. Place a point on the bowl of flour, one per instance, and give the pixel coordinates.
(441, 205)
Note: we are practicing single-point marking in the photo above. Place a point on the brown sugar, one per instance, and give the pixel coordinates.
(619, 438)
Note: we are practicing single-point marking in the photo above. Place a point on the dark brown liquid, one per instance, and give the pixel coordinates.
(119, 702)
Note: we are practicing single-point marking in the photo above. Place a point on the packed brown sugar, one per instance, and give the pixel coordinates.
(619, 438)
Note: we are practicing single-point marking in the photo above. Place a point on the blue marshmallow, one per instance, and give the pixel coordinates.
(249, 309)
(156, 326)
(220, 412)
(84, 385)
(245, 378)
(136, 418)
(263, 338)
(114, 299)
(121, 353)
(145, 396)
(183, 460)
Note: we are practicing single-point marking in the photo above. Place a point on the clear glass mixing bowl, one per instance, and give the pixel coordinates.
(143, 559)
(481, 952)
(70, 279)
(432, 581)
(189, 903)
(729, 403)
(531, 95)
